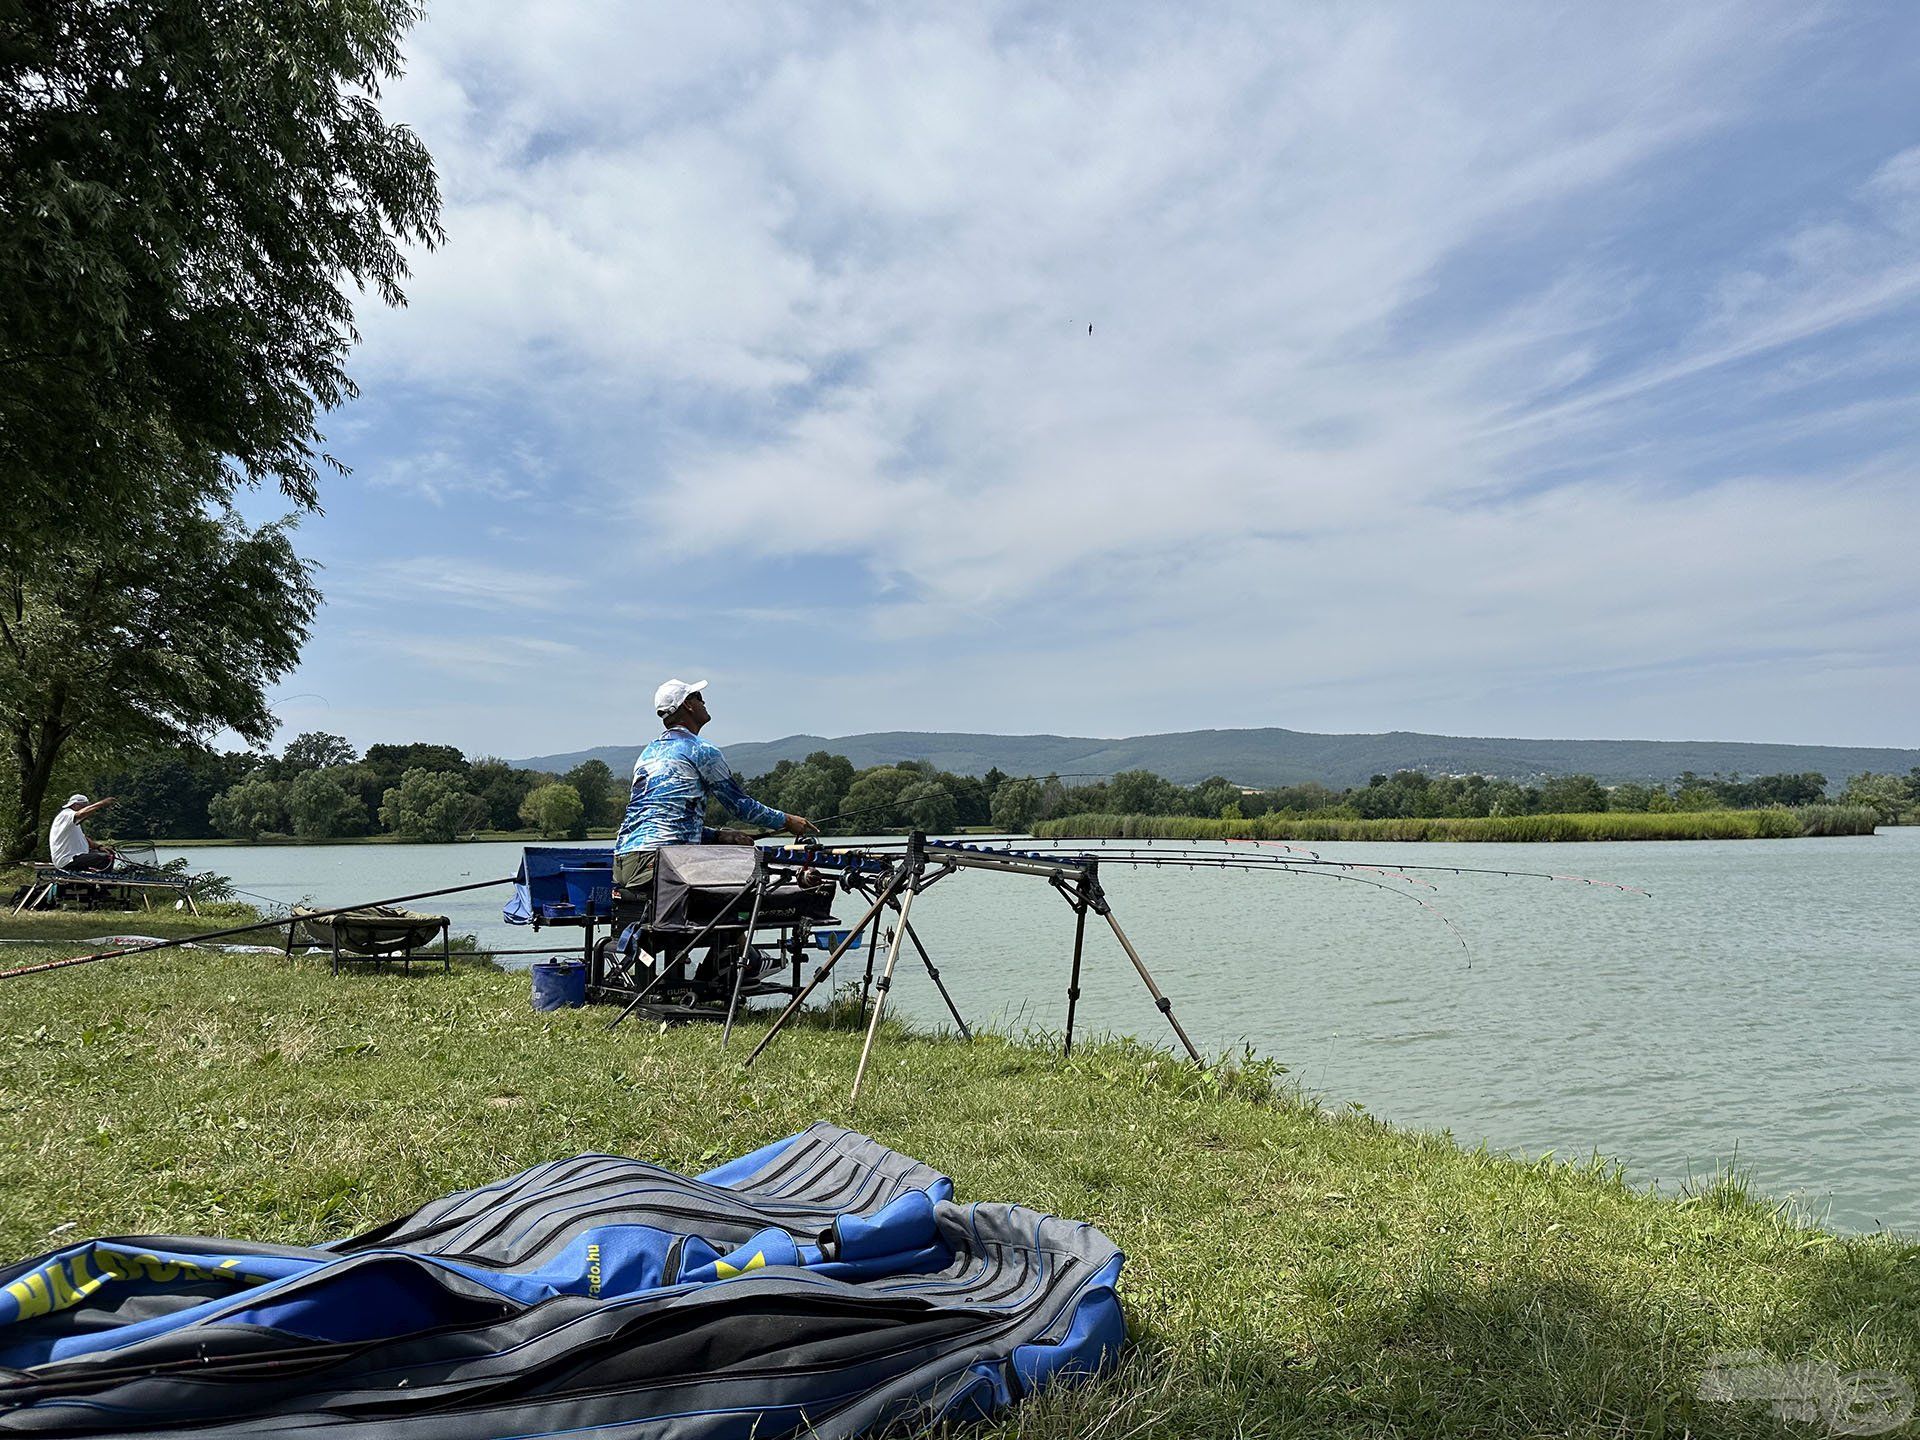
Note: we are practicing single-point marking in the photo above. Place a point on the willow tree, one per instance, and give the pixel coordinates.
(191, 197)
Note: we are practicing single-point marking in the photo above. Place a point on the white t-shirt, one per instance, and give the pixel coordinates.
(66, 839)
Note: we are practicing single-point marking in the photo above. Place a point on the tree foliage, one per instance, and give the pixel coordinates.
(928, 805)
(916, 795)
(1016, 804)
(186, 185)
(873, 800)
(592, 780)
(1888, 796)
(431, 805)
(164, 793)
(316, 750)
(161, 633)
(555, 809)
(499, 785)
(250, 809)
(322, 804)
(164, 786)
(191, 195)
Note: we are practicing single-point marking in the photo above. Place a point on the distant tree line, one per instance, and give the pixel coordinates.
(319, 787)
(827, 789)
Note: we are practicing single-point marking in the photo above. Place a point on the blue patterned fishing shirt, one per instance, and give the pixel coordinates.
(671, 782)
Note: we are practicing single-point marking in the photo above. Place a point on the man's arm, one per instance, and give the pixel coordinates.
(719, 777)
(86, 810)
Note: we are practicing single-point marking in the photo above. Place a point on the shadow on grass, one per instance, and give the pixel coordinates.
(1458, 1354)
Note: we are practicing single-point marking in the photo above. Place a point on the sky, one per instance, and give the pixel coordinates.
(1477, 369)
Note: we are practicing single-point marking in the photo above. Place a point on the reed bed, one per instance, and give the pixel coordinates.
(1770, 824)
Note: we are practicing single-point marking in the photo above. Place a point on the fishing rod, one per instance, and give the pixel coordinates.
(1140, 857)
(1320, 873)
(1180, 853)
(1098, 848)
(46, 965)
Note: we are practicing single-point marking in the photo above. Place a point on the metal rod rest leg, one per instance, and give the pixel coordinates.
(1073, 985)
(821, 974)
(938, 984)
(866, 980)
(1164, 1005)
(740, 967)
(880, 993)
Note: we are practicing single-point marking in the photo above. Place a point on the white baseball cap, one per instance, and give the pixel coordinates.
(672, 695)
(75, 801)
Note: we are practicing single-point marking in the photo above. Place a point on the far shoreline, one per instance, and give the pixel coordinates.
(1810, 822)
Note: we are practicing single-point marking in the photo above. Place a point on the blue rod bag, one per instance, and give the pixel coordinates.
(822, 1285)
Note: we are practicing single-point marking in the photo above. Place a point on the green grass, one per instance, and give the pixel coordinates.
(1770, 824)
(1290, 1271)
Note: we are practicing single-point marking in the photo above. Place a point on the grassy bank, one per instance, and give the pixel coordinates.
(1777, 824)
(1289, 1271)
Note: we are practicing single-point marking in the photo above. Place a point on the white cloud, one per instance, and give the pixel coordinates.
(461, 581)
(1369, 353)
(491, 658)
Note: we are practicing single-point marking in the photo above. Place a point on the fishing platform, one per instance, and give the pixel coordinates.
(112, 889)
(723, 924)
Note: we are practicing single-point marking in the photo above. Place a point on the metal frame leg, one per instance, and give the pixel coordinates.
(825, 969)
(1081, 905)
(740, 967)
(938, 984)
(1161, 1002)
(866, 980)
(880, 993)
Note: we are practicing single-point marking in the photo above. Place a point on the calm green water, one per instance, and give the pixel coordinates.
(1758, 1010)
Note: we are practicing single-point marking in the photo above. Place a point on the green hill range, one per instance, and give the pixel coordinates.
(1269, 757)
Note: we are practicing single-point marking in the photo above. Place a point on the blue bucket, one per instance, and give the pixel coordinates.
(558, 983)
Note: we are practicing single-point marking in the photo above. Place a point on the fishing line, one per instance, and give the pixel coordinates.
(1326, 873)
(1098, 846)
(244, 929)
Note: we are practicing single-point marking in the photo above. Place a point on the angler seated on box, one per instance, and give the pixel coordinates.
(673, 780)
(68, 844)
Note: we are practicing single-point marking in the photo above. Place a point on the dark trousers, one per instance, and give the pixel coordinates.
(92, 860)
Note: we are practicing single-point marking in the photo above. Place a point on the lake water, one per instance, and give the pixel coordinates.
(1759, 1009)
